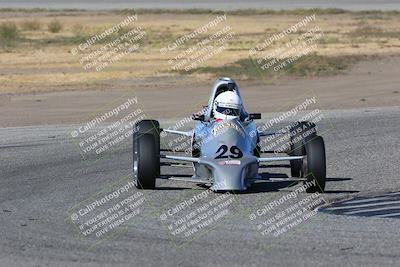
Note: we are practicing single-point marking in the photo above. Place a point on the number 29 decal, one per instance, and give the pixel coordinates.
(236, 153)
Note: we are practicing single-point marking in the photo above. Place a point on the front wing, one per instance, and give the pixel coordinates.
(230, 174)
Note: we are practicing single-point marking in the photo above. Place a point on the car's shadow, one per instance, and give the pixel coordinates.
(170, 188)
(338, 179)
(163, 184)
(276, 182)
(341, 191)
(274, 186)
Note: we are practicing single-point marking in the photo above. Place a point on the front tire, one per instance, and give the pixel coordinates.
(300, 134)
(151, 127)
(315, 167)
(145, 166)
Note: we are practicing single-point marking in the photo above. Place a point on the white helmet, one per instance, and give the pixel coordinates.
(227, 106)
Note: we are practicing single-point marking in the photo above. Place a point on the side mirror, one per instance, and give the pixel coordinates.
(255, 116)
(198, 117)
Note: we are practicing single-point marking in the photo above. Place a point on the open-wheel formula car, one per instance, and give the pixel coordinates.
(225, 147)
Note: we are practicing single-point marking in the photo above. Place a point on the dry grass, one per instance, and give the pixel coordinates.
(308, 65)
(8, 34)
(31, 25)
(41, 59)
(367, 31)
(54, 26)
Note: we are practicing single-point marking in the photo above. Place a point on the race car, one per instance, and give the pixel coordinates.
(225, 147)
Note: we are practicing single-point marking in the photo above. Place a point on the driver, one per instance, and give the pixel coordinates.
(227, 106)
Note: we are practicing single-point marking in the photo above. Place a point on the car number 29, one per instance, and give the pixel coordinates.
(236, 153)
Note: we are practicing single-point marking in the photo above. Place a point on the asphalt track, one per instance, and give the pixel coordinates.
(42, 176)
(385, 205)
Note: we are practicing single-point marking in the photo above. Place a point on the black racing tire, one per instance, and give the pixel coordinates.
(148, 127)
(315, 169)
(300, 133)
(296, 165)
(145, 170)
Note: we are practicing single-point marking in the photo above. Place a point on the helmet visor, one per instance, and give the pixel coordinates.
(228, 111)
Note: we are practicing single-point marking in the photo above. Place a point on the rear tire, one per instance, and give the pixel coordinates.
(315, 169)
(145, 167)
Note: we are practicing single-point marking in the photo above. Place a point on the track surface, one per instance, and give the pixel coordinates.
(382, 205)
(42, 176)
